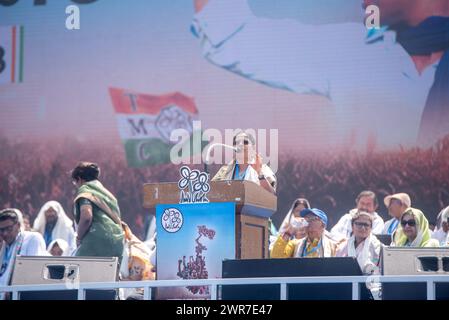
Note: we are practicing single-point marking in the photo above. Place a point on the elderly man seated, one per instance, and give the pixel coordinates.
(396, 204)
(316, 244)
(365, 201)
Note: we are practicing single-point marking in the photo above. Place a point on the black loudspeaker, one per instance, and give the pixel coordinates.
(292, 267)
(65, 270)
(414, 261)
(385, 239)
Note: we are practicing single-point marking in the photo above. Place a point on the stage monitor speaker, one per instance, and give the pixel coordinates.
(292, 267)
(67, 270)
(385, 239)
(414, 261)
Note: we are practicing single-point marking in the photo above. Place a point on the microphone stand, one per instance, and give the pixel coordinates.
(206, 160)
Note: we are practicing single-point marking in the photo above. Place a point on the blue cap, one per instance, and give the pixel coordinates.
(320, 214)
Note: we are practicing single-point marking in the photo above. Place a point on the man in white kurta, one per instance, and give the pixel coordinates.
(365, 201)
(16, 242)
(53, 223)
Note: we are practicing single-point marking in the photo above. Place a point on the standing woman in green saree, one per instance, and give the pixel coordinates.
(97, 215)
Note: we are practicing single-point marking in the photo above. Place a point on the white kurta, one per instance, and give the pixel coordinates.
(33, 245)
(441, 236)
(367, 253)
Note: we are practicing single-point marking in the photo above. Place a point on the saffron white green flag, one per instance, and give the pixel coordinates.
(11, 54)
(145, 123)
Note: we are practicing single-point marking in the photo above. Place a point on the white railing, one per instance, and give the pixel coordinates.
(430, 281)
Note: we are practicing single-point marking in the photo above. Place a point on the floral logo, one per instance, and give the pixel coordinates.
(172, 220)
(173, 117)
(196, 183)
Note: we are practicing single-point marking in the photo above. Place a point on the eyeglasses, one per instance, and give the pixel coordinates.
(7, 229)
(362, 225)
(245, 142)
(411, 223)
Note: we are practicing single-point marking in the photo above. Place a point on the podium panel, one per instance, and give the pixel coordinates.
(253, 206)
(65, 270)
(414, 261)
(193, 240)
(252, 234)
(248, 196)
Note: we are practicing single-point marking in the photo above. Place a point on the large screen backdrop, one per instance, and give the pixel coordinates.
(350, 107)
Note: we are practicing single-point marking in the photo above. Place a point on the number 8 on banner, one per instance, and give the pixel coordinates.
(11, 54)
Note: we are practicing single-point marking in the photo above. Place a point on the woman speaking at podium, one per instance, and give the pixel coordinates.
(247, 164)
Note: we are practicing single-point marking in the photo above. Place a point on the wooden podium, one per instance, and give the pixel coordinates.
(254, 205)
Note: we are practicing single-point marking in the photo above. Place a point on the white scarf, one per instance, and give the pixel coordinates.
(64, 226)
(251, 175)
(325, 250)
(62, 244)
(287, 220)
(365, 258)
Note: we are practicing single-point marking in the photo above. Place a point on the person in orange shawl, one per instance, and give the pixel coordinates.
(136, 265)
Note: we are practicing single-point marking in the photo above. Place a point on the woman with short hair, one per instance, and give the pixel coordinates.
(97, 215)
(362, 244)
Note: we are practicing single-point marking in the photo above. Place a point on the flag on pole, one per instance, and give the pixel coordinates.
(145, 123)
(11, 54)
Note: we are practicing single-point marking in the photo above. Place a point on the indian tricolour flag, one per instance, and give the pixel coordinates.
(11, 54)
(145, 123)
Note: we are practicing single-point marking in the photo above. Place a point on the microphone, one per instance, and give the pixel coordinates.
(238, 149)
(206, 161)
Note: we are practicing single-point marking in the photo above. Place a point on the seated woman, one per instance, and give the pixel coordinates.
(247, 164)
(294, 214)
(414, 231)
(362, 244)
(315, 244)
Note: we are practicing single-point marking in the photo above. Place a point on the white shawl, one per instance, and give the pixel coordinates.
(63, 228)
(327, 247)
(368, 257)
(66, 251)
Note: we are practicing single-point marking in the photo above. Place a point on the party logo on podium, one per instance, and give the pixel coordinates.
(194, 186)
